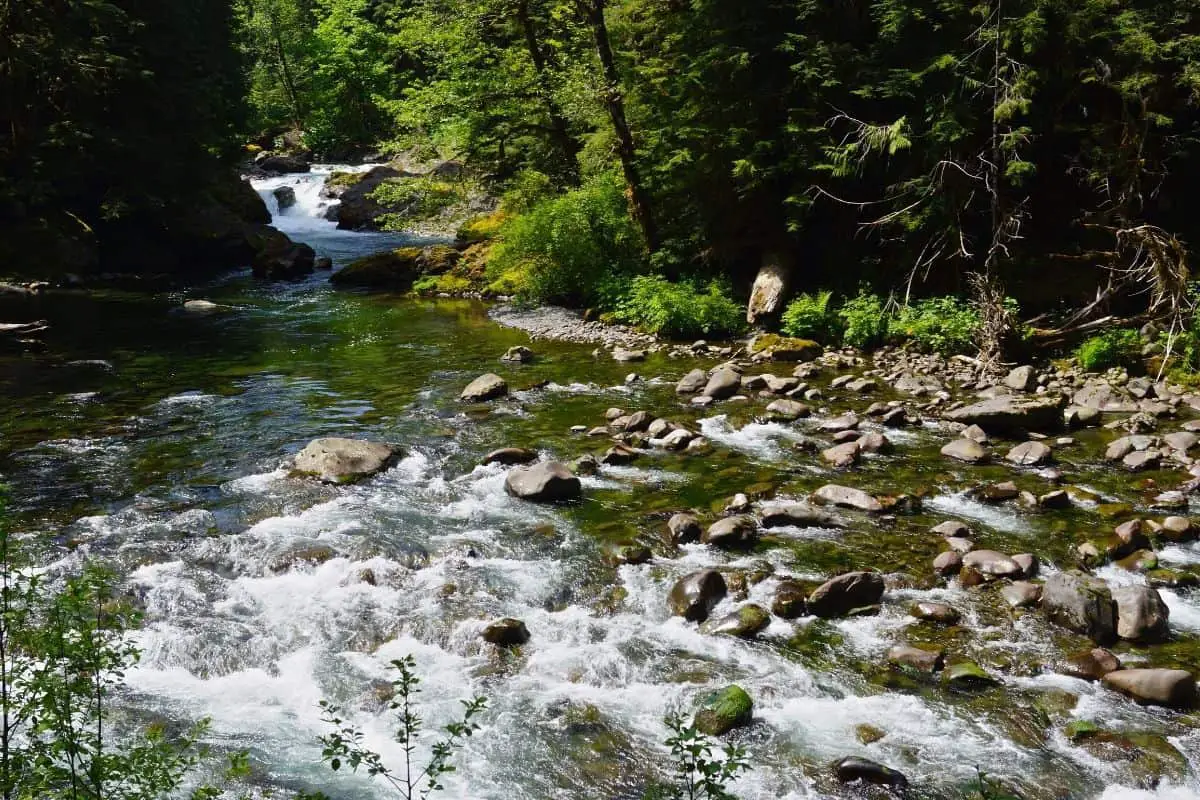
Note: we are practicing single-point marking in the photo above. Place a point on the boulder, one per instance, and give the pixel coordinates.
(724, 710)
(1091, 665)
(842, 455)
(619, 455)
(284, 165)
(547, 482)
(841, 595)
(285, 197)
(520, 354)
(395, 270)
(787, 410)
(968, 451)
(1021, 379)
(861, 770)
(768, 292)
(845, 497)
(1010, 413)
(917, 658)
(485, 387)
(940, 613)
(693, 382)
(732, 533)
(725, 382)
(785, 348)
(968, 675)
(358, 209)
(947, 563)
(507, 632)
(694, 596)
(1102, 397)
(276, 257)
(1029, 454)
(201, 306)
(337, 460)
(779, 515)
(993, 564)
(684, 528)
(745, 623)
(790, 600)
(1141, 613)
(510, 456)
(1174, 688)
(1081, 603)
(1021, 594)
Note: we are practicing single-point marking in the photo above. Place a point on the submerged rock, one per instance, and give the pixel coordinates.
(724, 710)
(695, 595)
(854, 769)
(684, 528)
(917, 658)
(520, 354)
(337, 460)
(845, 593)
(790, 600)
(547, 482)
(744, 623)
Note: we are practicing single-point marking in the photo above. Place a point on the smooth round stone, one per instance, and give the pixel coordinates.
(940, 613)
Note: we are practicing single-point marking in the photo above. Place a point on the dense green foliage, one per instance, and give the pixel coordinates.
(679, 309)
(942, 324)
(1115, 348)
(923, 143)
(811, 316)
(577, 248)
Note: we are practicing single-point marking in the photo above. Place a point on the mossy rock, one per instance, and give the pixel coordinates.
(481, 228)
(786, 348)
(724, 710)
(968, 675)
(343, 179)
(1081, 729)
(396, 270)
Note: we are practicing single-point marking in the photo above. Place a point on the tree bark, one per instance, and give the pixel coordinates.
(635, 192)
(559, 132)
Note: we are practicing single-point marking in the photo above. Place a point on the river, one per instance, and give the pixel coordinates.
(156, 439)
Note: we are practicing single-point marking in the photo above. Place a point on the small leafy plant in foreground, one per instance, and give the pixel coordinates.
(344, 747)
(701, 774)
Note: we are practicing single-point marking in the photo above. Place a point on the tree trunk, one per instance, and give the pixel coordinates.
(559, 132)
(639, 201)
(285, 71)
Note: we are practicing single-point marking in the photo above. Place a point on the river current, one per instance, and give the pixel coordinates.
(156, 439)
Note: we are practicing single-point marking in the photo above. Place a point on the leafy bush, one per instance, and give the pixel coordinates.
(863, 321)
(441, 284)
(416, 198)
(809, 316)
(481, 228)
(573, 248)
(525, 190)
(945, 325)
(1115, 348)
(681, 310)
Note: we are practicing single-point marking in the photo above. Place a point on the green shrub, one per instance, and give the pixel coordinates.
(681, 310)
(809, 316)
(525, 190)
(945, 325)
(575, 249)
(442, 284)
(417, 199)
(1115, 348)
(863, 321)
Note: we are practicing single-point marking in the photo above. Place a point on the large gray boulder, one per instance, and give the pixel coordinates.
(693, 382)
(1082, 604)
(779, 515)
(732, 533)
(1010, 413)
(1174, 688)
(846, 497)
(285, 165)
(337, 460)
(841, 595)
(1141, 613)
(547, 482)
(485, 387)
(725, 382)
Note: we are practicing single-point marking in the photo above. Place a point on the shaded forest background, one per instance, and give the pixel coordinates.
(1043, 149)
